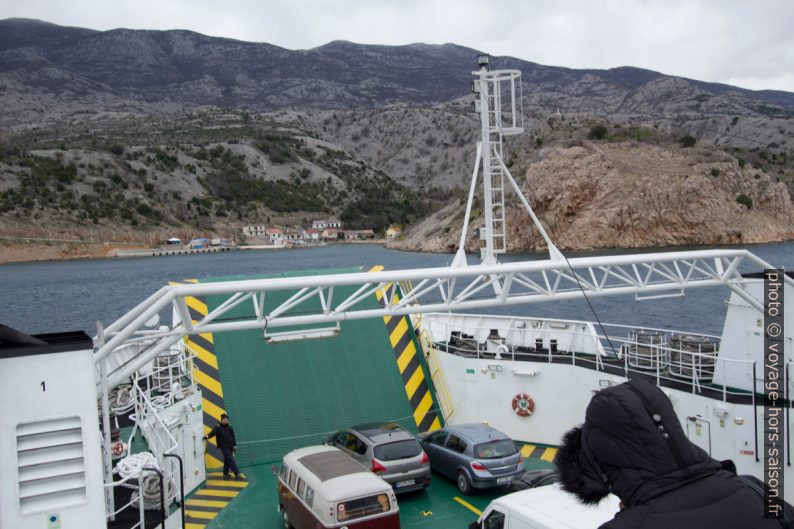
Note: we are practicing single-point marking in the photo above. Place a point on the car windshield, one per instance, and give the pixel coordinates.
(397, 450)
(495, 449)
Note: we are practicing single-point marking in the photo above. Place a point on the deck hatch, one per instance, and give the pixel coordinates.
(50, 464)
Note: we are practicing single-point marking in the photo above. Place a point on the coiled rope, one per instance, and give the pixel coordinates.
(131, 466)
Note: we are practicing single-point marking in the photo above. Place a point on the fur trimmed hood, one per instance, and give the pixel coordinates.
(631, 444)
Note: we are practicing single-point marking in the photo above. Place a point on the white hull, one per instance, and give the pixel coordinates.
(482, 376)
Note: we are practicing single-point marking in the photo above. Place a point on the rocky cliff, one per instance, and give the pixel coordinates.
(630, 195)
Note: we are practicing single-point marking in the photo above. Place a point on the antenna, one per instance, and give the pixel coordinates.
(499, 103)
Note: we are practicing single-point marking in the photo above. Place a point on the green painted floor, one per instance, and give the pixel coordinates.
(256, 505)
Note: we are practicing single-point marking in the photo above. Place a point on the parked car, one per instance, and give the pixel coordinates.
(547, 507)
(534, 478)
(476, 456)
(319, 486)
(389, 451)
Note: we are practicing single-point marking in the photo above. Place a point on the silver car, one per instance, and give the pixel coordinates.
(389, 451)
(474, 455)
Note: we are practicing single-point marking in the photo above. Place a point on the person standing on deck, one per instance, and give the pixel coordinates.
(227, 444)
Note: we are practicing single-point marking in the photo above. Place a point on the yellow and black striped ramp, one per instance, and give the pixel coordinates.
(546, 453)
(205, 504)
(408, 362)
(207, 376)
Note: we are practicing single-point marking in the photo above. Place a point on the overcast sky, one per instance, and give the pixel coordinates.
(748, 43)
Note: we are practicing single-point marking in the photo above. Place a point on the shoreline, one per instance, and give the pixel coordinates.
(107, 250)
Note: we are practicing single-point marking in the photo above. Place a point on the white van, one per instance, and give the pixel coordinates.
(547, 507)
(321, 487)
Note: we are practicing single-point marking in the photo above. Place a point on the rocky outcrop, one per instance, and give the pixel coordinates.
(631, 195)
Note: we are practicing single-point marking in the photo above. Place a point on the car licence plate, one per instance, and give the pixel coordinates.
(406, 483)
(506, 479)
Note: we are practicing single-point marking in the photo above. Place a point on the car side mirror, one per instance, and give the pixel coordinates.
(274, 470)
(327, 441)
(474, 525)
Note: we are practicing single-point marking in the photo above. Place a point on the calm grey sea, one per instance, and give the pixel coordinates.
(59, 296)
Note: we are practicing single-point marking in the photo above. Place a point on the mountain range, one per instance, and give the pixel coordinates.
(46, 65)
(134, 135)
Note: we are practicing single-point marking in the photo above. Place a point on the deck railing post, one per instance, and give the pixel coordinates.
(755, 414)
(181, 486)
(141, 509)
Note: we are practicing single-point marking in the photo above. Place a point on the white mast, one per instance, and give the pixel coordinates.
(499, 105)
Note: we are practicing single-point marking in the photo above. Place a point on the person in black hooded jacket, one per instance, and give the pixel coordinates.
(632, 445)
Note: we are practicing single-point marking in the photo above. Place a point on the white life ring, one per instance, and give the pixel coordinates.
(502, 349)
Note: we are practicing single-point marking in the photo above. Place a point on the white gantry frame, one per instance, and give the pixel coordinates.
(434, 290)
(501, 114)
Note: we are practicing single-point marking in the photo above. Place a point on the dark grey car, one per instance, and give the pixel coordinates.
(534, 478)
(389, 451)
(474, 455)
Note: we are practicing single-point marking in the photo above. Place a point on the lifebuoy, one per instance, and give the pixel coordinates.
(502, 349)
(523, 405)
(118, 449)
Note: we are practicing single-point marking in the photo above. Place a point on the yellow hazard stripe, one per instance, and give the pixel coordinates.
(206, 503)
(204, 355)
(405, 354)
(406, 357)
(539, 452)
(196, 304)
(211, 461)
(398, 332)
(211, 475)
(213, 411)
(219, 493)
(468, 505)
(225, 483)
(413, 383)
(207, 382)
(423, 407)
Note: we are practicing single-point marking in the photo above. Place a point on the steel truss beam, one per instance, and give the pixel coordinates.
(436, 289)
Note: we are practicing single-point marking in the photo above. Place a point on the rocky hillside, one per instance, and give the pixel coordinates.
(630, 194)
(211, 171)
(52, 70)
(129, 135)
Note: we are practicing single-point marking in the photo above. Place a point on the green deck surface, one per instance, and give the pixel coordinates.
(256, 506)
(282, 396)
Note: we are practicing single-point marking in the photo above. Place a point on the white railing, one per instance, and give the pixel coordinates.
(158, 394)
(550, 340)
(343, 297)
(139, 476)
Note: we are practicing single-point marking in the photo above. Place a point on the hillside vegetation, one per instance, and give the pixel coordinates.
(207, 171)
